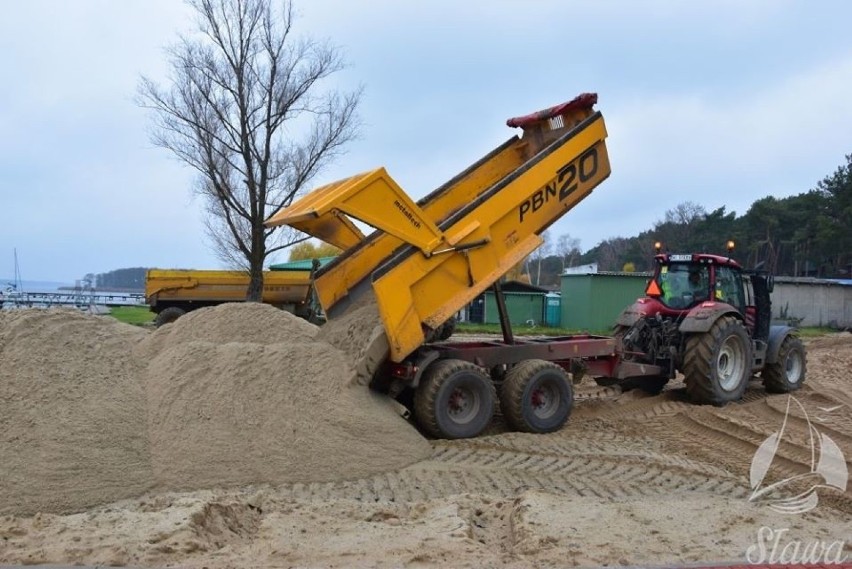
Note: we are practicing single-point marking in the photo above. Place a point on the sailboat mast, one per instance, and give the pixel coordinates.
(19, 283)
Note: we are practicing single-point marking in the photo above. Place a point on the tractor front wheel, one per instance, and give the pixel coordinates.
(454, 400)
(788, 372)
(717, 364)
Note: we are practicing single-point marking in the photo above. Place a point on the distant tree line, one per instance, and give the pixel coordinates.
(132, 279)
(809, 234)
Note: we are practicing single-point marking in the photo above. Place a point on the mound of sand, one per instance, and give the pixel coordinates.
(73, 426)
(92, 411)
(243, 413)
(251, 322)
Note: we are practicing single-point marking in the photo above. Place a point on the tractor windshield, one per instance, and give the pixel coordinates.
(683, 284)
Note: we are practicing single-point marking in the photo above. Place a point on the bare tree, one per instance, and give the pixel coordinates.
(677, 230)
(568, 249)
(247, 107)
(539, 255)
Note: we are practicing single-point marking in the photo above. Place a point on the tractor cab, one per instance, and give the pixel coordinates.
(680, 285)
(682, 282)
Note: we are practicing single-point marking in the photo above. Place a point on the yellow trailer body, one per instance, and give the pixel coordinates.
(427, 260)
(171, 286)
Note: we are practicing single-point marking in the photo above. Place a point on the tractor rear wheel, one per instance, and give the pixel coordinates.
(536, 397)
(788, 372)
(454, 400)
(168, 315)
(717, 364)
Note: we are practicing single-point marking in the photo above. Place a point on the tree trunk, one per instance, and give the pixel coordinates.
(256, 258)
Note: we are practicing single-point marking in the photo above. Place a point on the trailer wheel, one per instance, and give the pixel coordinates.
(717, 364)
(168, 315)
(536, 397)
(788, 372)
(454, 400)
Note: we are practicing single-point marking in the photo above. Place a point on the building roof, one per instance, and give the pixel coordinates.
(813, 281)
(518, 286)
(610, 274)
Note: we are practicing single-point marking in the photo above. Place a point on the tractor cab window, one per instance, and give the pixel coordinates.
(683, 285)
(729, 287)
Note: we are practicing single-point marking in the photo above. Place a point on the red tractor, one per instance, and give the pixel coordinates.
(707, 317)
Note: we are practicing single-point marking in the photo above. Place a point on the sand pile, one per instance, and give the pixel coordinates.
(236, 322)
(92, 410)
(277, 408)
(72, 412)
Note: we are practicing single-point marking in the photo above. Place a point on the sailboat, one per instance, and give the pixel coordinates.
(828, 469)
(13, 292)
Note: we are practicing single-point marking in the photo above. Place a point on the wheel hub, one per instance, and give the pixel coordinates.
(462, 405)
(544, 399)
(730, 364)
(793, 367)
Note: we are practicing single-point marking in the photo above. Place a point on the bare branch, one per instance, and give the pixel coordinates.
(247, 107)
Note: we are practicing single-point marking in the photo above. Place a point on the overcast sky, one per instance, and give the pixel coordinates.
(719, 103)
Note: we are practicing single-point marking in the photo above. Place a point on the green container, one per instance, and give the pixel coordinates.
(593, 301)
(523, 308)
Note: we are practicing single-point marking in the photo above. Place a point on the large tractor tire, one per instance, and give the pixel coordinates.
(717, 364)
(168, 315)
(454, 400)
(536, 397)
(788, 372)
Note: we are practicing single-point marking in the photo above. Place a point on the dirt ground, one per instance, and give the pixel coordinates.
(631, 479)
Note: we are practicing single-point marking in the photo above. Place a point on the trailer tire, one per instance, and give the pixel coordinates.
(717, 363)
(788, 372)
(168, 315)
(454, 400)
(536, 397)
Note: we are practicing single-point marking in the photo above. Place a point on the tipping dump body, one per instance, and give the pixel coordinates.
(428, 259)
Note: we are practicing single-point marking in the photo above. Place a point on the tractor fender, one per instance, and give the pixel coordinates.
(633, 313)
(777, 334)
(701, 318)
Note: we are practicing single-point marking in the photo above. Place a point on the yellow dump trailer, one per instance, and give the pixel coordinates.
(172, 293)
(428, 259)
